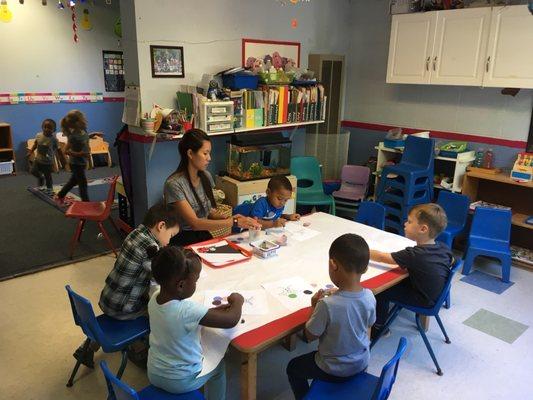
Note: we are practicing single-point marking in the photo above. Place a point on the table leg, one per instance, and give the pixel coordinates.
(289, 342)
(249, 376)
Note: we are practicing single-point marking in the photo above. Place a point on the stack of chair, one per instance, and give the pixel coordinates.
(408, 183)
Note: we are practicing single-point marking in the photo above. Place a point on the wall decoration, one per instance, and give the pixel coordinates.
(85, 21)
(74, 25)
(45, 98)
(5, 13)
(278, 52)
(167, 62)
(113, 71)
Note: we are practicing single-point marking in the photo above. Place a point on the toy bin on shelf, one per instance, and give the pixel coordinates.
(240, 81)
(6, 167)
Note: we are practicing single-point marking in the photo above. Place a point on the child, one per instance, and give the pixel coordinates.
(125, 294)
(175, 355)
(269, 210)
(428, 263)
(74, 126)
(46, 146)
(340, 321)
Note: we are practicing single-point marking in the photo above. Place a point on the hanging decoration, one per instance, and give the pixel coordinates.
(294, 23)
(5, 13)
(118, 28)
(74, 25)
(44, 2)
(60, 5)
(85, 21)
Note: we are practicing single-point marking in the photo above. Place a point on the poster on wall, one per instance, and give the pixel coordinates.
(276, 52)
(113, 71)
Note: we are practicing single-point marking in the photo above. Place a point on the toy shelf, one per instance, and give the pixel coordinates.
(458, 167)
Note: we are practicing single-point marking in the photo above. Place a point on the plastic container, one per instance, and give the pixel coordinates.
(264, 248)
(6, 167)
(488, 160)
(240, 81)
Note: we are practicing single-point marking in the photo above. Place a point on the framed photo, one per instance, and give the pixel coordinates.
(167, 62)
(279, 53)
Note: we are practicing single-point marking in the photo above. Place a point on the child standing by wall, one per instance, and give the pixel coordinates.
(340, 320)
(428, 263)
(46, 146)
(74, 125)
(175, 355)
(269, 210)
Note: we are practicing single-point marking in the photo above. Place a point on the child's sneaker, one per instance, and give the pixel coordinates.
(85, 357)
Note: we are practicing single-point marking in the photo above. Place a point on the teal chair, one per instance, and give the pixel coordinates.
(310, 189)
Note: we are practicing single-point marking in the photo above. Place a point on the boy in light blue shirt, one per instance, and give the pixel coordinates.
(175, 356)
(340, 320)
(269, 210)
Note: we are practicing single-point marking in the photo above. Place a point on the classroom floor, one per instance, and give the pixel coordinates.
(489, 357)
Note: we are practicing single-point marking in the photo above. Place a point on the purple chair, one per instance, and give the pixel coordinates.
(354, 186)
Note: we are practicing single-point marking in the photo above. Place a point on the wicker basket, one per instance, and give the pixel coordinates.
(226, 211)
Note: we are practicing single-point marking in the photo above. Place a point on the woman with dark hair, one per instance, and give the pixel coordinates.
(190, 190)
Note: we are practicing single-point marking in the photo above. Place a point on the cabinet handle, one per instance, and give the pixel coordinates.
(434, 63)
(488, 64)
(427, 63)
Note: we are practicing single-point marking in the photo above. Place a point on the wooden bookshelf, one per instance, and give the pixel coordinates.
(7, 151)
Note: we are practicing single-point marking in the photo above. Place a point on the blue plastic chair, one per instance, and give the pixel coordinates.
(120, 391)
(371, 214)
(363, 386)
(310, 189)
(429, 312)
(112, 334)
(489, 236)
(456, 207)
(415, 171)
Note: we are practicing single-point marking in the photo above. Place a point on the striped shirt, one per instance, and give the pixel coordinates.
(127, 285)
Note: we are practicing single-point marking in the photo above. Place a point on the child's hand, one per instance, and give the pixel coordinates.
(317, 297)
(235, 299)
(294, 217)
(280, 222)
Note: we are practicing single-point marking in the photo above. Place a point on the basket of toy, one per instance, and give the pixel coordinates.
(224, 211)
(276, 78)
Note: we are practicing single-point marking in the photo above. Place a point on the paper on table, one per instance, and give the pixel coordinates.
(296, 230)
(294, 293)
(255, 301)
(214, 345)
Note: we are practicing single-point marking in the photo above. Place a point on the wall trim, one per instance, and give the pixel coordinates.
(518, 144)
(8, 99)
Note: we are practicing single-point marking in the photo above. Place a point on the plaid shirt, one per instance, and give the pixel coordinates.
(127, 285)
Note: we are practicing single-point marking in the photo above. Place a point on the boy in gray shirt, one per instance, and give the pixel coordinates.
(340, 320)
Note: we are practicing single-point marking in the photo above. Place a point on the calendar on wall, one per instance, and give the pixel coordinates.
(113, 71)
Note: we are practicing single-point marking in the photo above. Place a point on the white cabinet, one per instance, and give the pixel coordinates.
(509, 61)
(459, 50)
(469, 47)
(411, 47)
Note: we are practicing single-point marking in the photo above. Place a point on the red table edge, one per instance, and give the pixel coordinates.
(251, 339)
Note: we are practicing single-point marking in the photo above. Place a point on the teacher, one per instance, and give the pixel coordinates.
(190, 190)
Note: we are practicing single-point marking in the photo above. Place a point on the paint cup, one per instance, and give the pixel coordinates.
(148, 125)
(186, 126)
(253, 234)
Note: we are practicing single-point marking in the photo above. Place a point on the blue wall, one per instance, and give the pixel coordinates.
(26, 119)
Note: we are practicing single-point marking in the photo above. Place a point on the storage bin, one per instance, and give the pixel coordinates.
(240, 81)
(6, 167)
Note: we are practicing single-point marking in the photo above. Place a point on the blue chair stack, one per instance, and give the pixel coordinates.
(456, 207)
(408, 183)
(429, 312)
(120, 391)
(371, 214)
(489, 236)
(363, 386)
(112, 334)
(309, 180)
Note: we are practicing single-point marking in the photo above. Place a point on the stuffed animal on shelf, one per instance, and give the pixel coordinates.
(277, 61)
(249, 62)
(215, 93)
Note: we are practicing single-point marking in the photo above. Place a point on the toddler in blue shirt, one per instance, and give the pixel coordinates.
(175, 356)
(269, 210)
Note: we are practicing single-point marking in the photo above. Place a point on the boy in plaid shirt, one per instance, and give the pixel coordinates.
(125, 294)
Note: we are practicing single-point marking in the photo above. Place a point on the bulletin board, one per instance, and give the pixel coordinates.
(113, 71)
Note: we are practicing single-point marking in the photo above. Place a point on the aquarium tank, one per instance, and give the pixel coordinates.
(258, 155)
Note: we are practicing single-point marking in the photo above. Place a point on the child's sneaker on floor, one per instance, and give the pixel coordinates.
(86, 357)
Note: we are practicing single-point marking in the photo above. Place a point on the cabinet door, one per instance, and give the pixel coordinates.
(460, 47)
(509, 60)
(410, 48)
